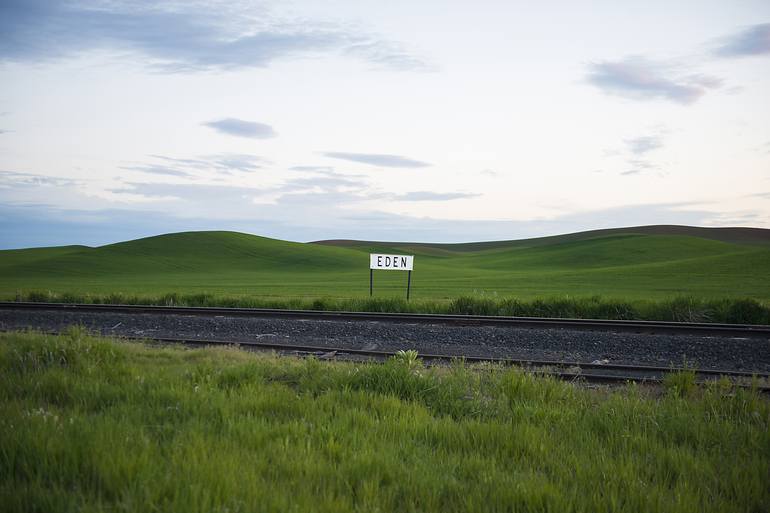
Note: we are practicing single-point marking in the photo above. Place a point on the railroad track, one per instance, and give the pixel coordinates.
(631, 326)
(570, 370)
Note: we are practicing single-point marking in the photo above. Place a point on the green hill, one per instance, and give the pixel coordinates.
(750, 236)
(189, 252)
(631, 263)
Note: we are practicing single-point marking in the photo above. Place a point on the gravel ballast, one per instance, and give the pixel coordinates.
(723, 353)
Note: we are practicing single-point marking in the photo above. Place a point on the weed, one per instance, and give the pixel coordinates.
(408, 358)
(680, 383)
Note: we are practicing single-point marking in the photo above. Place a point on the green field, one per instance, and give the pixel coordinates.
(620, 264)
(624, 273)
(93, 425)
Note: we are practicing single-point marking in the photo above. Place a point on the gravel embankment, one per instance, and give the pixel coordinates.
(486, 341)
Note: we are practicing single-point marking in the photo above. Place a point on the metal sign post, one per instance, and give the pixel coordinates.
(391, 263)
(408, 284)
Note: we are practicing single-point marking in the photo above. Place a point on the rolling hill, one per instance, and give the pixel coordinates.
(640, 262)
(750, 236)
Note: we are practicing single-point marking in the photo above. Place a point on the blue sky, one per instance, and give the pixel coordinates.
(432, 121)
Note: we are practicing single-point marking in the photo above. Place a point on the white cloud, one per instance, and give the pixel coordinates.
(638, 78)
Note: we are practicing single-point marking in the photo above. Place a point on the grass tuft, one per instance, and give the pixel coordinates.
(409, 359)
(681, 383)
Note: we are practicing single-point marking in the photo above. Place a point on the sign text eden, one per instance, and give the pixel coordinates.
(391, 263)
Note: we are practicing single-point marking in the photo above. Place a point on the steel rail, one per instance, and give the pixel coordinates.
(448, 357)
(654, 374)
(630, 326)
(546, 367)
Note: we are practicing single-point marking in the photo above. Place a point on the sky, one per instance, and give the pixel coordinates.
(434, 121)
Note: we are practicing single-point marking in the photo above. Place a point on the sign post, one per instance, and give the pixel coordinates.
(408, 283)
(391, 263)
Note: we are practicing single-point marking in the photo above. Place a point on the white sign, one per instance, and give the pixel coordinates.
(391, 262)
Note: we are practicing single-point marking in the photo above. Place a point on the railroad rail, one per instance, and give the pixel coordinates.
(598, 373)
(629, 326)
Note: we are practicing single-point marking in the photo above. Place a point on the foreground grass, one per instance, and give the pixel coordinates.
(680, 309)
(88, 424)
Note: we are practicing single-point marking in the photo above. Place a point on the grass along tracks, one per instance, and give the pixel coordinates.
(679, 309)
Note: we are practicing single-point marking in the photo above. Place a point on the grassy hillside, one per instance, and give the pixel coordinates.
(752, 236)
(95, 425)
(617, 264)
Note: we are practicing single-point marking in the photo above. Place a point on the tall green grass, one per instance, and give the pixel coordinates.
(93, 425)
(680, 309)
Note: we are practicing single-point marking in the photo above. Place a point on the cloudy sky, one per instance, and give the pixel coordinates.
(400, 120)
